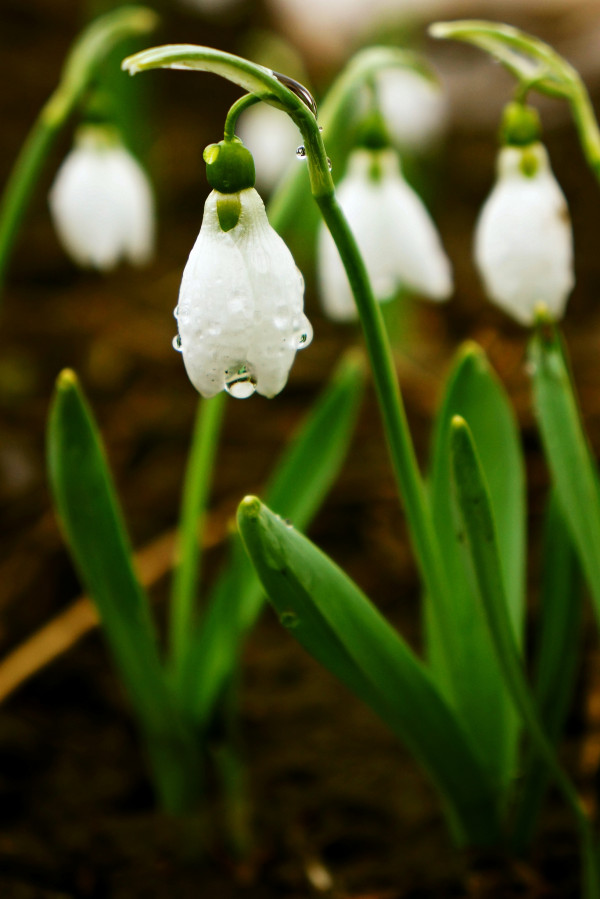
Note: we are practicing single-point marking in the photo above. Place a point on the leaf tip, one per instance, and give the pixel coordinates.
(439, 29)
(249, 509)
(67, 380)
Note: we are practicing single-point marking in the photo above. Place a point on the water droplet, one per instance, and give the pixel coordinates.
(288, 523)
(329, 165)
(240, 382)
(320, 128)
(176, 311)
(289, 619)
(177, 343)
(305, 335)
(301, 152)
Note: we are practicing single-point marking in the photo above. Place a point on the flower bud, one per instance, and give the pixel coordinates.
(101, 202)
(523, 238)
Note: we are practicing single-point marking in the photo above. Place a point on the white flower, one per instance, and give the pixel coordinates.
(273, 138)
(101, 202)
(240, 311)
(394, 232)
(414, 107)
(523, 239)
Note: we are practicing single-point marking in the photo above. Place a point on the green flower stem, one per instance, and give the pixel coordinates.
(404, 462)
(234, 113)
(537, 66)
(90, 48)
(193, 507)
(264, 83)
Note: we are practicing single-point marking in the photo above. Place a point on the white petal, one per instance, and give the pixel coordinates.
(414, 107)
(240, 310)
(102, 205)
(523, 239)
(394, 232)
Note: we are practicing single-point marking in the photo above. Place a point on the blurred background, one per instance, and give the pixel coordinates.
(57, 829)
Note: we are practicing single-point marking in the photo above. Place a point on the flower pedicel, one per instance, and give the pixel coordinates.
(240, 312)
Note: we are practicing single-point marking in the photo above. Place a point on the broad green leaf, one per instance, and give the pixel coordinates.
(558, 653)
(89, 513)
(474, 683)
(567, 452)
(480, 529)
(296, 489)
(327, 613)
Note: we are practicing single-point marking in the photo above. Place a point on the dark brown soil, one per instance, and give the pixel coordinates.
(337, 806)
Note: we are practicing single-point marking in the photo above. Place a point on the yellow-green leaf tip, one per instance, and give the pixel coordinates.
(458, 423)
(250, 507)
(67, 379)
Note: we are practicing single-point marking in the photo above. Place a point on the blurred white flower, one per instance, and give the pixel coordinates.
(101, 202)
(273, 139)
(395, 234)
(414, 107)
(240, 311)
(523, 238)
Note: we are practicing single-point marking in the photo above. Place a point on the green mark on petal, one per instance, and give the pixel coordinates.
(229, 208)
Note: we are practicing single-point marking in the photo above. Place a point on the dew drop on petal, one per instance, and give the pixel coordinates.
(177, 343)
(239, 382)
(301, 152)
(305, 335)
(176, 311)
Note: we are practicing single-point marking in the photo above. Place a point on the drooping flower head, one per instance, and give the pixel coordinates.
(240, 312)
(523, 238)
(394, 232)
(101, 202)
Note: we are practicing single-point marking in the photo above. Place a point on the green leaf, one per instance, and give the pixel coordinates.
(567, 452)
(474, 683)
(93, 526)
(94, 530)
(296, 489)
(475, 506)
(558, 653)
(326, 612)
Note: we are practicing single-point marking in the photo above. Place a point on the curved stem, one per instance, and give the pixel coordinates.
(234, 113)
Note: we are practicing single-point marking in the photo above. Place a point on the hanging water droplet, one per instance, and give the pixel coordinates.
(301, 152)
(289, 619)
(305, 335)
(329, 165)
(320, 128)
(240, 382)
(176, 311)
(177, 343)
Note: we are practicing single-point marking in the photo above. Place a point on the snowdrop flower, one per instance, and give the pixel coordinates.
(101, 202)
(523, 238)
(414, 107)
(394, 232)
(240, 310)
